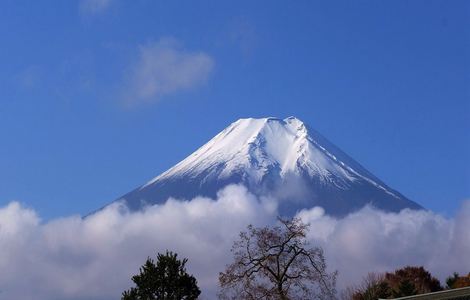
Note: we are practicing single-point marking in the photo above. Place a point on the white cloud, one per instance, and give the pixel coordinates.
(243, 34)
(374, 241)
(29, 78)
(94, 6)
(164, 68)
(94, 258)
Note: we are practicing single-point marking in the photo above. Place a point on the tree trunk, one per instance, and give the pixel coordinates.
(280, 290)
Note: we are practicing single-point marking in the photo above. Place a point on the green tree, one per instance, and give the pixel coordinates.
(165, 280)
(403, 280)
(405, 288)
(457, 281)
(451, 280)
(406, 281)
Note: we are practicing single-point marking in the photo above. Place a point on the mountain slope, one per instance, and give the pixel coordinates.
(273, 157)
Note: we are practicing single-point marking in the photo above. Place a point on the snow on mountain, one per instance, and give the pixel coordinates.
(283, 159)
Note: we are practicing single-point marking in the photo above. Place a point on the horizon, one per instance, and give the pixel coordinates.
(71, 131)
(116, 197)
(101, 96)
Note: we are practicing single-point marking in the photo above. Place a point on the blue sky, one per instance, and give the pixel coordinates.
(85, 116)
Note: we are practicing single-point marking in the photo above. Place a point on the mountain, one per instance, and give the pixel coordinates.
(284, 159)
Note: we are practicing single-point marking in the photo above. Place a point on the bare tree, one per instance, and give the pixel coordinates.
(373, 287)
(277, 263)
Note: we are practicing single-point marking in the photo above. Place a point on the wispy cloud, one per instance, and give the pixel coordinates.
(94, 6)
(163, 68)
(244, 35)
(30, 77)
(94, 258)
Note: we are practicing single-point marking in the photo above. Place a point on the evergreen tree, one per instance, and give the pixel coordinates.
(421, 280)
(450, 281)
(166, 280)
(457, 281)
(403, 282)
(405, 288)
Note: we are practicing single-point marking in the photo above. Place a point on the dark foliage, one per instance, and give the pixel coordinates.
(166, 280)
(403, 282)
(415, 280)
(404, 288)
(457, 281)
(450, 281)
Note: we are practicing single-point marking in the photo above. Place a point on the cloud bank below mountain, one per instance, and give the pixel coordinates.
(95, 257)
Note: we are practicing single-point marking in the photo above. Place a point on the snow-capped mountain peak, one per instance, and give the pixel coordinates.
(254, 145)
(257, 146)
(264, 154)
